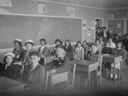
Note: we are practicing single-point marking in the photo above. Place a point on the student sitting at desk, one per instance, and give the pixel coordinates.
(97, 44)
(93, 54)
(57, 42)
(85, 46)
(118, 51)
(79, 50)
(106, 50)
(43, 50)
(111, 44)
(59, 63)
(26, 58)
(36, 76)
(18, 50)
(68, 47)
(10, 70)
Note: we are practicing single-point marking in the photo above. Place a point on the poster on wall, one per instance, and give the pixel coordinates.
(110, 16)
(5, 3)
(84, 24)
(42, 8)
(70, 11)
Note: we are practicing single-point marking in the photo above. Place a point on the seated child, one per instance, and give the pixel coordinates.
(98, 46)
(85, 46)
(59, 65)
(26, 57)
(43, 50)
(118, 51)
(18, 50)
(79, 50)
(68, 47)
(36, 76)
(10, 70)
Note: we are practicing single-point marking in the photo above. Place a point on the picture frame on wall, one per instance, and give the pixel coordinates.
(70, 11)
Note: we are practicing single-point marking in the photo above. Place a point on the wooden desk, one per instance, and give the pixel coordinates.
(86, 66)
(112, 59)
(73, 56)
(10, 87)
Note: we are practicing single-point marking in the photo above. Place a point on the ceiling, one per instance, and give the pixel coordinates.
(97, 3)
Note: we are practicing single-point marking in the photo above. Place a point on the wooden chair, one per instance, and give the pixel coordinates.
(48, 59)
(56, 78)
(99, 71)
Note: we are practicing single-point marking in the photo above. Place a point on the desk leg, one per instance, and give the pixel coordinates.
(95, 80)
(114, 74)
(88, 79)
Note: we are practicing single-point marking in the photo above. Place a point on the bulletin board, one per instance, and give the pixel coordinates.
(117, 26)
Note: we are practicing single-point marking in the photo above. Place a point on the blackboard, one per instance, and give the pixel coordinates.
(36, 27)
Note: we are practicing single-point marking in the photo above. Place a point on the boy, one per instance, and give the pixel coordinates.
(36, 76)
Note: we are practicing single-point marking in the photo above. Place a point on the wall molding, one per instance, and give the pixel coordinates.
(76, 5)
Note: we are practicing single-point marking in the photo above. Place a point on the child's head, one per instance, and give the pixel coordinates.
(84, 42)
(119, 45)
(97, 42)
(9, 58)
(67, 43)
(17, 43)
(110, 40)
(58, 42)
(34, 57)
(126, 36)
(60, 52)
(43, 42)
(29, 44)
(107, 44)
(93, 48)
(78, 44)
(101, 39)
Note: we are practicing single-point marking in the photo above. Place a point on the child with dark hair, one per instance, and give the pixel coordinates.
(116, 38)
(36, 76)
(10, 70)
(68, 47)
(125, 42)
(43, 50)
(79, 50)
(118, 51)
(85, 46)
(18, 50)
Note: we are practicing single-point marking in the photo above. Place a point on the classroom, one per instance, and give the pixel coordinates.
(63, 47)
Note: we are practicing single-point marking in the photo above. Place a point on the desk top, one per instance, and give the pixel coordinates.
(7, 84)
(111, 56)
(82, 62)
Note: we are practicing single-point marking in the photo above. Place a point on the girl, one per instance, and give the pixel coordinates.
(85, 46)
(97, 45)
(68, 47)
(79, 49)
(118, 51)
(116, 38)
(18, 50)
(43, 50)
(107, 49)
(10, 70)
(111, 44)
(57, 42)
(26, 58)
